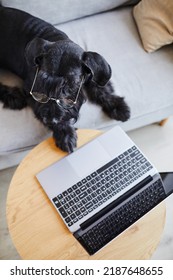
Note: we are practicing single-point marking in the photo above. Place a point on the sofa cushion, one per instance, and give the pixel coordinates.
(19, 129)
(58, 11)
(154, 19)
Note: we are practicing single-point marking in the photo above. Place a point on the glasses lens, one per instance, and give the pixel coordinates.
(40, 97)
(65, 103)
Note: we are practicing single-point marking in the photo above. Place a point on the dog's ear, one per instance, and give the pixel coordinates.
(35, 51)
(98, 67)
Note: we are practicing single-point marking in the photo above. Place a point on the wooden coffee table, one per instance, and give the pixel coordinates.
(39, 233)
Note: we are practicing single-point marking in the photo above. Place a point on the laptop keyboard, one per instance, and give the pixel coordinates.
(120, 219)
(98, 187)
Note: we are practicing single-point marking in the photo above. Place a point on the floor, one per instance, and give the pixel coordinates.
(7, 249)
(157, 143)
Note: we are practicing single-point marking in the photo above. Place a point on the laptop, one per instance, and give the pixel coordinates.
(102, 188)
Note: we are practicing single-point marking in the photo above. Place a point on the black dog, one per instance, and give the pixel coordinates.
(56, 72)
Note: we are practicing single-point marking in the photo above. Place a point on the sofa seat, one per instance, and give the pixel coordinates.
(145, 80)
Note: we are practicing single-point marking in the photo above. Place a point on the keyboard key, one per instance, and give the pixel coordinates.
(78, 191)
(78, 212)
(94, 174)
(69, 211)
(67, 219)
(72, 216)
(79, 204)
(83, 188)
(121, 156)
(84, 201)
(82, 195)
(82, 209)
(62, 201)
(74, 187)
(65, 193)
(57, 204)
(89, 205)
(63, 212)
(76, 199)
(59, 196)
(74, 208)
(71, 203)
(88, 178)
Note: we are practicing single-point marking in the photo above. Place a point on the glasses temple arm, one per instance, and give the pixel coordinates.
(79, 90)
(34, 80)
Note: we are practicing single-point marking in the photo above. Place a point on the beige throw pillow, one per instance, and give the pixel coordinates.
(154, 19)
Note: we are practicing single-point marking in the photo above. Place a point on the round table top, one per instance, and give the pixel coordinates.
(37, 230)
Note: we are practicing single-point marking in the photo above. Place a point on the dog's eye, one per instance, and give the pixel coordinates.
(40, 97)
(38, 59)
(65, 103)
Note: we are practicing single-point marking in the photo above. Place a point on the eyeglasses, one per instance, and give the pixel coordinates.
(65, 103)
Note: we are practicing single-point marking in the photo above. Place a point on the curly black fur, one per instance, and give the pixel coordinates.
(27, 43)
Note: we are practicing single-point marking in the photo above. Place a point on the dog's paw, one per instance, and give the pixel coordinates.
(116, 108)
(12, 97)
(66, 139)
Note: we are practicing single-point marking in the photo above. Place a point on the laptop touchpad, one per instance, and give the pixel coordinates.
(85, 161)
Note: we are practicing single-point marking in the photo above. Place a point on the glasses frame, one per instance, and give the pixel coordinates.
(58, 101)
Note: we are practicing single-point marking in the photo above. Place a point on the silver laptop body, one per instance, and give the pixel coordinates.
(65, 177)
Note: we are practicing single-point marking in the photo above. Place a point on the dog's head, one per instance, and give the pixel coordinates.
(63, 66)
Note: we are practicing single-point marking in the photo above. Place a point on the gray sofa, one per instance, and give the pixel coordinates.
(107, 27)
